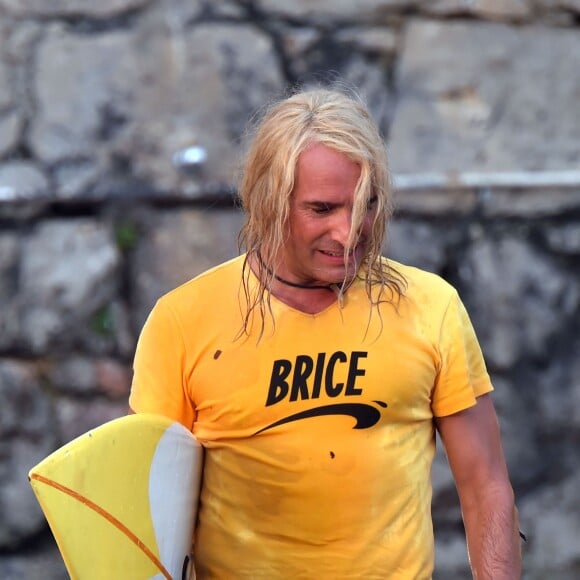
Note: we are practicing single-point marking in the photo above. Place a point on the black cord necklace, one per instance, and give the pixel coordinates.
(336, 288)
(330, 287)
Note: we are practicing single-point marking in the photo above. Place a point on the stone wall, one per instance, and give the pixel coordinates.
(103, 208)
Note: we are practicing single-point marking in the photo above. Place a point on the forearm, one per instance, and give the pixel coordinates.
(492, 529)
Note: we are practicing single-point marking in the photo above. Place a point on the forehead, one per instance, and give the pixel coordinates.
(322, 167)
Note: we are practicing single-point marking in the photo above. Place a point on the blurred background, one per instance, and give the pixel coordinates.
(120, 129)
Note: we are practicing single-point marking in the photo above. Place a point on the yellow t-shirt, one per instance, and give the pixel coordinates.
(319, 437)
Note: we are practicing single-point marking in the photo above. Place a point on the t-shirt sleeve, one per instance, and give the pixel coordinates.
(159, 383)
(462, 375)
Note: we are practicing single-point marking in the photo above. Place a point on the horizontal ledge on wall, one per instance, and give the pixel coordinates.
(524, 194)
(518, 194)
(508, 179)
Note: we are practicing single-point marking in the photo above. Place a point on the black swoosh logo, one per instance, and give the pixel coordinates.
(366, 415)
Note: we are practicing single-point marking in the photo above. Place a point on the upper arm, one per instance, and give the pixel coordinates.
(159, 383)
(461, 374)
(473, 445)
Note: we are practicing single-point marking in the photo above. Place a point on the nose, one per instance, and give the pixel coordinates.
(341, 227)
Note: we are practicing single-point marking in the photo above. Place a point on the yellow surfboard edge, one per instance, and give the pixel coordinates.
(121, 500)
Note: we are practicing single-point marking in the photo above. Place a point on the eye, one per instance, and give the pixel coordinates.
(372, 202)
(321, 209)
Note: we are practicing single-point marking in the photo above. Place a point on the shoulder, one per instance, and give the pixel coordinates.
(420, 284)
(217, 283)
(426, 297)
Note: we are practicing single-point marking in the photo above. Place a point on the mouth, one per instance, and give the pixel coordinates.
(334, 254)
(339, 254)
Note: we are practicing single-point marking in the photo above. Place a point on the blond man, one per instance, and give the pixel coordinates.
(315, 372)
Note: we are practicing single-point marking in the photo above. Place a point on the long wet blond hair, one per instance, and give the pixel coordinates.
(340, 121)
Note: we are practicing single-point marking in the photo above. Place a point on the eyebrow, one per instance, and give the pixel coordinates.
(321, 204)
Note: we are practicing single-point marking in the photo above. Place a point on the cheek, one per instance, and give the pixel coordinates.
(308, 231)
(300, 239)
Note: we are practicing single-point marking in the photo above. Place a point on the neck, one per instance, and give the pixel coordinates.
(294, 284)
(309, 298)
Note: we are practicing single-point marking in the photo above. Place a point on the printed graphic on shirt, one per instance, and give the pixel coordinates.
(308, 378)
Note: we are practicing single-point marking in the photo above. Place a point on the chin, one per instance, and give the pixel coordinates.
(338, 277)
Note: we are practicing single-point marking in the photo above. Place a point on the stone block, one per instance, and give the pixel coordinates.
(517, 298)
(9, 116)
(357, 58)
(370, 79)
(486, 97)
(550, 519)
(451, 559)
(521, 203)
(84, 376)
(108, 9)
(377, 40)
(91, 79)
(568, 5)
(564, 238)
(6, 97)
(68, 283)
(76, 8)
(16, 56)
(445, 507)
(558, 394)
(492, 9)
(323, 11)
(43, 561)
(139, 96)
(425, 201)
(296, 43)
(22, 181)
(416, 244)
(177, 246)
(27, 435)
(9, 260)
(211, 80)
(77, 416)
(521, 440)
(73, 179)
(10, 127)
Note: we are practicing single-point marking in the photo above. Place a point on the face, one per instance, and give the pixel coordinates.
(319, 224)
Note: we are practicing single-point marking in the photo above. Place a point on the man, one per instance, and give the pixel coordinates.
(314, 372)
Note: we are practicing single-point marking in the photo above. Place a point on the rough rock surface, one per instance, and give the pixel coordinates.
(9, 261)
(131, 95)
(325, 11)
(195, 240)
(27, 435)
(102, 210)
(523, 304)
(487, 97)
(492, 9)
(68, 283)
(70, 8)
